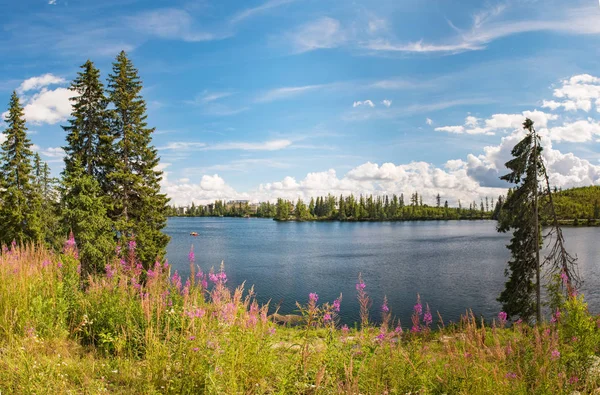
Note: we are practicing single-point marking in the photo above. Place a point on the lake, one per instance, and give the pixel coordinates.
(453, 265)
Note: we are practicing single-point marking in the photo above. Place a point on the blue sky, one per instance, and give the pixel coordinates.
(297, 98)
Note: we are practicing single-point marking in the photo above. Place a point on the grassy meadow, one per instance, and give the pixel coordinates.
(136, 331)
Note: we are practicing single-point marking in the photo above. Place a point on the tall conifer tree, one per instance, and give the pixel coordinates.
(521, 296)
(87, 162)
(19, 220)
(140, 208)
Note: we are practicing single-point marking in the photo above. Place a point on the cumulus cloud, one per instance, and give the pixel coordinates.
(429, 121)
(386, 102)
(365, 103)
(576, 93)
(35, 83)
(41, 104)
(472, 177)
(48, 106)
(576, 132)
(498, 122)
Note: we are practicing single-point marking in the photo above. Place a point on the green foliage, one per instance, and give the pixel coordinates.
(139, 208)
(579, 332)
(120, 336)
(519, 216)
(578, 204)
(20, 205)
(85, 215)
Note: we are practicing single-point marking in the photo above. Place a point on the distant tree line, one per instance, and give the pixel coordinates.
(108, 193)
(347, 208)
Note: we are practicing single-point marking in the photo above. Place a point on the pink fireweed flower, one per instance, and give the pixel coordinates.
(110, 272)
(564, 277)
(555, 355)
(555, 316)
(45, 263)
(519, 321)
(427, 318)
(313, 297)
(381, 336)
(361, 286)
(132, 244)
(336, 305)
(327, 317)
(59, 264)
(511, 375)
(398, 330)
(176, 280)
(192, 338)
(502, 316)
(384, 307)
(418, 306)
(271, 331)
(345, 329)
(191, 256)
(573, 380)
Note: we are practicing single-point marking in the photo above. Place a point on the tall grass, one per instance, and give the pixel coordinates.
(136, 331)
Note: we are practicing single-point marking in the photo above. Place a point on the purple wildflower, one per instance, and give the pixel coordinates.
(427, 318)
(384, 307)
(398, 330)
(110, 272)
(191, 256)
(360, 286)
(564, 277)
(511, 375)
(555, 354)
(345, 329)
(327, 317)
(502, 316)
(313, 297)
(381, 336)
(336, 305)
(418, 306)
(176, 280)
(573, 380)
(271, 331)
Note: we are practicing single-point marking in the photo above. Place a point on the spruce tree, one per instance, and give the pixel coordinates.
(88, 138)
(87, 154)
(521, 296)
(85, 213)
(140, 208)
(19, 218)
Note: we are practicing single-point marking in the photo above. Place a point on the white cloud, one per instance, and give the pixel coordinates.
(451, 129)
(48, 106)
(171, 24)
(499, 122)
(429, 121)
(576, 132)
(53, 152)
(577, 93)
(325, 32)
(488, 27)
(386, 102)
(286, 92)
(207, 97)
(35, 83)
(418, 47)
(270, 145)
(52, 2)
(368, 103)
(250, 12)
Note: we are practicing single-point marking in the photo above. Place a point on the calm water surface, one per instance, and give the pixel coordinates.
(453, 265)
